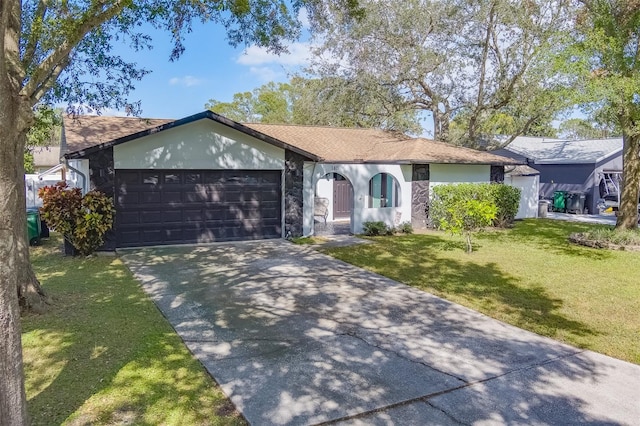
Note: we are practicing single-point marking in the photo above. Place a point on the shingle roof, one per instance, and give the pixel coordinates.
(85, 131)
(329, 144)
(521, 171)
(374, 145)
(559, 151)
(46, 156)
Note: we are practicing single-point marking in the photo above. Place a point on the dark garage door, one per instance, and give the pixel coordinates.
(192, 206)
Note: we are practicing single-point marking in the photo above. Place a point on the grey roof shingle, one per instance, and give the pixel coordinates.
(559, 151)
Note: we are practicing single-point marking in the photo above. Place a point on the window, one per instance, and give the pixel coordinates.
(420, 172)
(384, 191)
(171, 178)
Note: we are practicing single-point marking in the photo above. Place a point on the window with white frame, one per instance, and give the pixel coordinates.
(384, 191)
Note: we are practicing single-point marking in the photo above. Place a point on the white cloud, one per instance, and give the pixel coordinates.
(265, 74)
(299, 54)
(187, 81)
(303, 17)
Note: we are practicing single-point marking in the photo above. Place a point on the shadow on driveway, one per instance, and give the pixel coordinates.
(296, 337)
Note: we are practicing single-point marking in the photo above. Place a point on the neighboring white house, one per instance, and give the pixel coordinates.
(527, 180)
(207, 178)
(49, 170)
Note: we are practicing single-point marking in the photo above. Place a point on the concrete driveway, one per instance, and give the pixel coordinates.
(296, 337)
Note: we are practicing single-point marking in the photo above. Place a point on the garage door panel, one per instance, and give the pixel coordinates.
(194, 197)
(187, 206)
(150, 197)
(272, 213)
(195, 216)
(172, 197)
(150, 216)
(271, 196)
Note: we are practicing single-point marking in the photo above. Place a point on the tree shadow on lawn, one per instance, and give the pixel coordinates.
(415, 260)
(551, 235)
(109, 371)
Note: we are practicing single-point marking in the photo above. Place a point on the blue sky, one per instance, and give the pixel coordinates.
(209, 68)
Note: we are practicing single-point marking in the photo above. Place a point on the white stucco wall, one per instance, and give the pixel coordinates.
(529, 187)
(359, 176)
(203, 144)
(80, 181)
(324, 189)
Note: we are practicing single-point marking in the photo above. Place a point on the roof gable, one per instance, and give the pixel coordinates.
(80, 138)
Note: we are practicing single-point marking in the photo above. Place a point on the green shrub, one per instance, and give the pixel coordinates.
(83, 221)
(406, 228)
(507, 201)
(463, 208)
(376, 228)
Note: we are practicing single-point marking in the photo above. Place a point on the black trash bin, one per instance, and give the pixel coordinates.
(575, 202)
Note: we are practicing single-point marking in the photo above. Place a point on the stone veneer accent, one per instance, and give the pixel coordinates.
(497, 174)
(293, 193)
(419, 195)
(102, 178)
(419, 199)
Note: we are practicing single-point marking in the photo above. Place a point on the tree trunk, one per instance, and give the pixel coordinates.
(13, 246)
(630, 191)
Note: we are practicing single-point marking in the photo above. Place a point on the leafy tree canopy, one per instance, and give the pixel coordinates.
(604, 63)
(580, 128)
(477, 63)
(327, 101)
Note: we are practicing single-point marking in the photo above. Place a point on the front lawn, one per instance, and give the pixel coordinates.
(104, 354)
(529, 276)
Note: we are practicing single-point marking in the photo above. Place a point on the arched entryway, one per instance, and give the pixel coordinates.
(333, 205)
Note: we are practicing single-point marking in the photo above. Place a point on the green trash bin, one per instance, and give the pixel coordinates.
(560, 201)
(33, 225)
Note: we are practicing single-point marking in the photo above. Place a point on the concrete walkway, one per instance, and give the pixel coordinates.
(296, 337)
(609, 219)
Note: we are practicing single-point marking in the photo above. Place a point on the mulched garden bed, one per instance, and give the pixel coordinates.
(581, 240)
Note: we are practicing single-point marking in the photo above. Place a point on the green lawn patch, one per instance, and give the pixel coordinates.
(308, 240)
(104, 354)
(530, 276)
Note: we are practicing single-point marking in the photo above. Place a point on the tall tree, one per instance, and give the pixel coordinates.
(473, 60)
(63, 50)
(323, 102)
(580, 128)
(606, 61)
(269, 103)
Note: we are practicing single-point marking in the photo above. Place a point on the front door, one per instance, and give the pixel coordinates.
(342, 197)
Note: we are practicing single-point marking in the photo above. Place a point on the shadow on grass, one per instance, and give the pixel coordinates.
(417, 260)
(552, 235)
(103, 354)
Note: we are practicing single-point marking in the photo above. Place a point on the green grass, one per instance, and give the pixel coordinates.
(103, 353)
(308, 240)
(529, 276)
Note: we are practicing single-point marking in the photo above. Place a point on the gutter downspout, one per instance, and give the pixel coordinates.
(82, 175)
